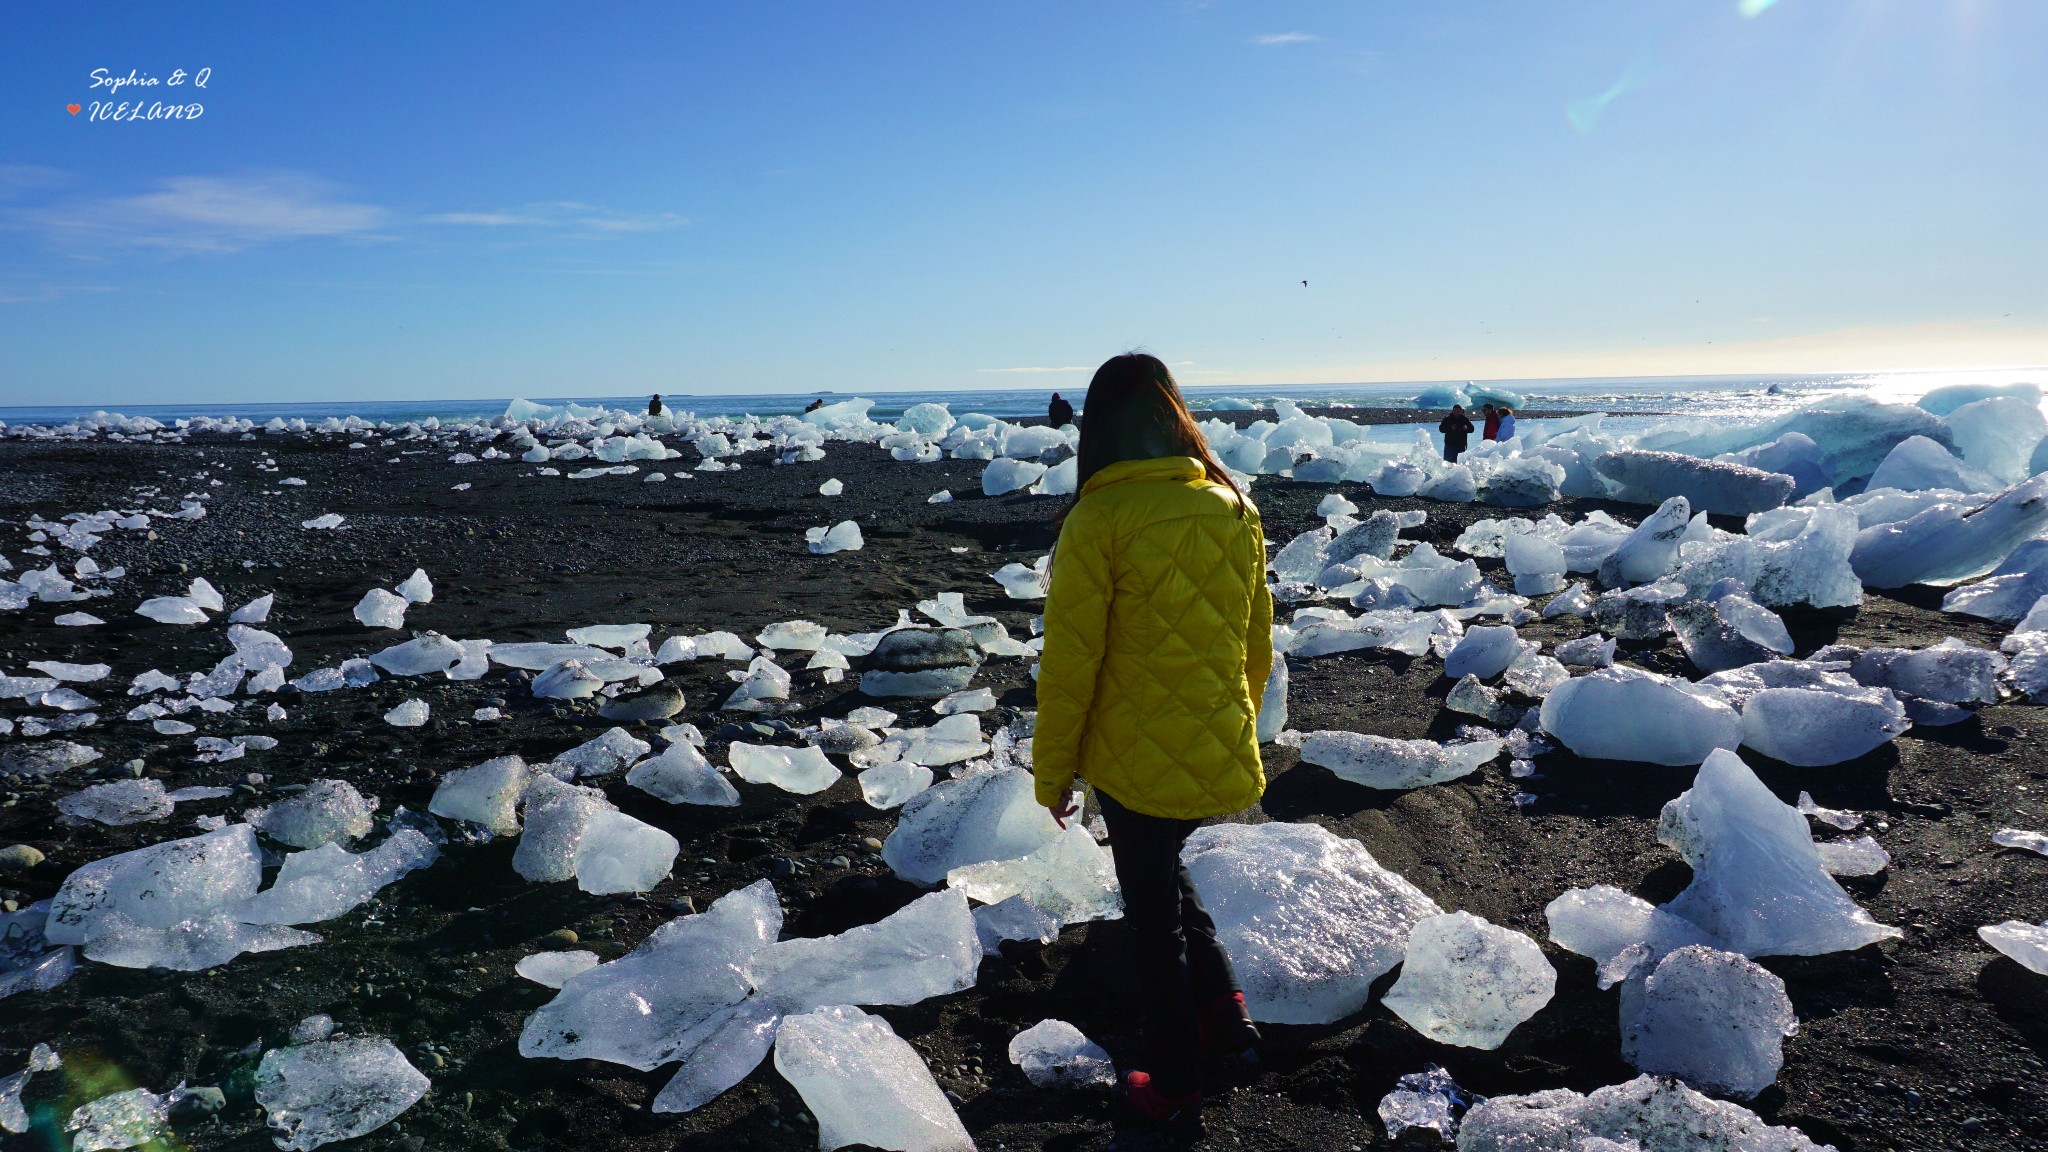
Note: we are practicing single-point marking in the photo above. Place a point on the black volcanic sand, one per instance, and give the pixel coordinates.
(1930, 1041)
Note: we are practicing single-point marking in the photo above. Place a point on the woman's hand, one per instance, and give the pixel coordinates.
(1062, 810)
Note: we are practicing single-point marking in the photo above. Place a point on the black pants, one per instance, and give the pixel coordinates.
(1454, 447)
(1181, 967)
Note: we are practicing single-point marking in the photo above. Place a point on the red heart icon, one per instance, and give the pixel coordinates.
(72, 108)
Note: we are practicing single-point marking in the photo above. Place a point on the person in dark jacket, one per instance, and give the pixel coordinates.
(1059, 413)
(1457, 429)
(654, 405)
(1489, 428)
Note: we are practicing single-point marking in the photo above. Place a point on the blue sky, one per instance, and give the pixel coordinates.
(387, 200)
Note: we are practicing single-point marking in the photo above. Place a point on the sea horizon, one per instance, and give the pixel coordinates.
(1706, 396)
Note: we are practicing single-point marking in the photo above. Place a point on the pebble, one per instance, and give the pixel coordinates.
(134, 768)
(199, 1103)
(20, 858)
(562, 936)
(871, 843)
(685, 905)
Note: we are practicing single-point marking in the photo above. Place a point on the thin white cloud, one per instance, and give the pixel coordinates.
(1082, 368)
(44, 293)
(1277, 38)
(194, 214)
(564, 216)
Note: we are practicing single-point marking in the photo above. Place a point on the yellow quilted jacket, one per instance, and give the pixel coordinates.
(1158, 639)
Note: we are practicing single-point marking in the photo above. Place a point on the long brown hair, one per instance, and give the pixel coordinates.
(1134, 411)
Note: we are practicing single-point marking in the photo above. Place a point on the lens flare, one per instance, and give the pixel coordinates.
(1583, 113)
(1751, 9)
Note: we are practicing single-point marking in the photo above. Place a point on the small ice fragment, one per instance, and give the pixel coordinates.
(804, 771)
(2017, 838)
(886, 786)
(380, 608)
(171, 610)
(841, 537)
(1429, 1101)
(255, 611)
(408, 714)
(416, 588)
(1469, 982)
(330, 520)
(865, 1084)
(1055, 1054)
(326, 812)
(77, 620)
(1863, 856)
(331, 1090)
(942, 496)
(1833, 817)
(553, 969)
(122, 1119)
(831, 487)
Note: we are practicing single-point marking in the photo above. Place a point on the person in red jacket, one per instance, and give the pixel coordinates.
(1492, 429)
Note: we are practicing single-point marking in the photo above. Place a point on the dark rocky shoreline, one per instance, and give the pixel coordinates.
(1933, 1041)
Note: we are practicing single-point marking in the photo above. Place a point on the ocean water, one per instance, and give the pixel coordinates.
(1710, 397)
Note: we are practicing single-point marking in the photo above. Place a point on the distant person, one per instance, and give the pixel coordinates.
(1456, 427)
(1158, 643)
(1059, 413)
(654, 407)
(1490, 426)
(814, 405)
(1507, 424)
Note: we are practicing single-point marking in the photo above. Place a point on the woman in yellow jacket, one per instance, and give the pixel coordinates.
(1158, 640)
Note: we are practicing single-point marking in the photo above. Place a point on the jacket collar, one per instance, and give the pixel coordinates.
(1174, 468)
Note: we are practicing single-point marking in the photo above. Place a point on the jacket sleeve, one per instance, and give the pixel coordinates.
(1076, 633)
(1258, 630)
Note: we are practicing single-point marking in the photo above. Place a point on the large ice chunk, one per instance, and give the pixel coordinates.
(865, 1084)
(1623, 713)
(2025, 944)
(325, 882)
(1648, 1113)
(1308, 919)
(605, 754)
(1469, 982)
(1809, 727)
(927, 948)
(326, 812)
(2010, 591)
(1999, 434)
(118, 802)
(983, 814)
(1948, 543)
(557, 815)
(1380, 762)
(1917, 464)
(804, 771)
(1707, 485)
(618, 853)
(724, 1058)
(487, 794)
(1484, 651)
(1071, 877)
(664, 997)
(1759, 886)
(330, 1090)
(681, 775)
(1620, 933)
(1651, 550)
(431, 652)
(1715, 1019)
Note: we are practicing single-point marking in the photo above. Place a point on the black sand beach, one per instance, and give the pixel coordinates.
(1932, 1041)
